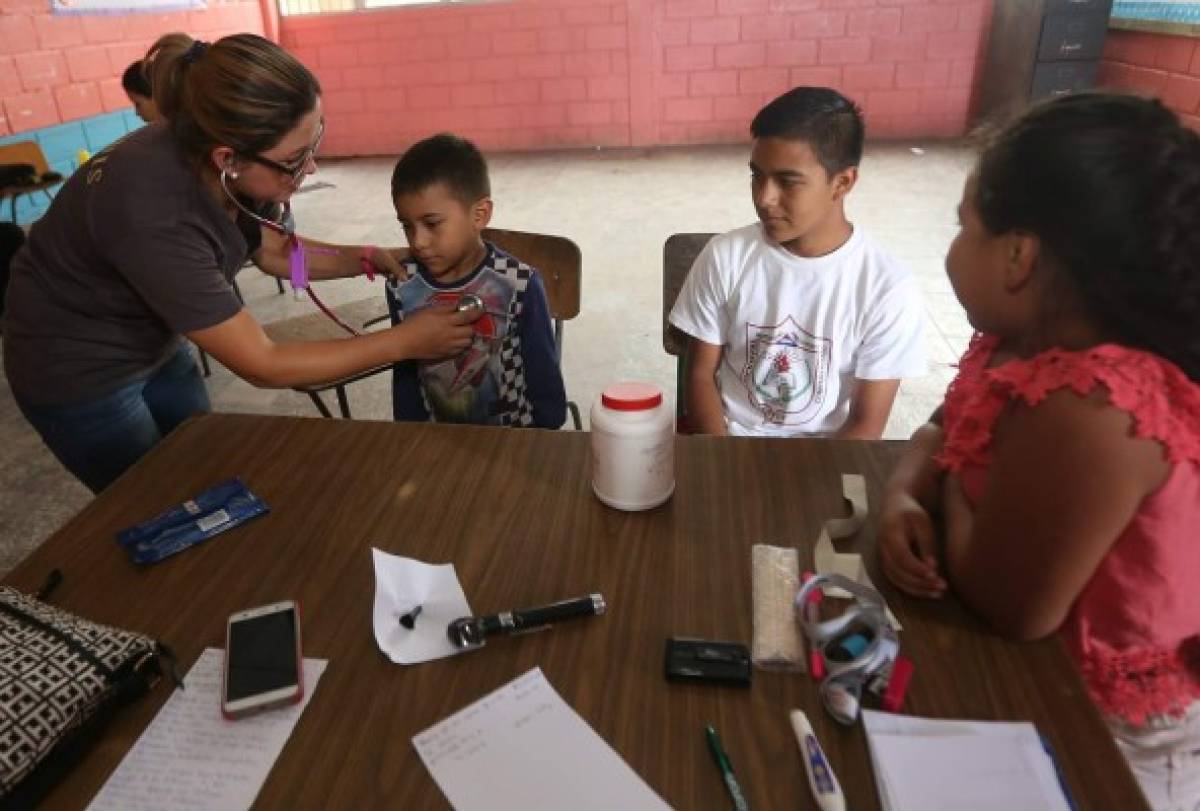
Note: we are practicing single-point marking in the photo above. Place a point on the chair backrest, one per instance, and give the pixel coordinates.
(25, 152)
(557, 259)
(679, 254)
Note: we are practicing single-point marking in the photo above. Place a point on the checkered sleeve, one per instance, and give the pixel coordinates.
(543, 377)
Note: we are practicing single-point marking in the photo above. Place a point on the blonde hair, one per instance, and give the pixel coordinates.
(242, 91)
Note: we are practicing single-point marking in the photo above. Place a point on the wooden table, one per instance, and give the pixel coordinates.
(514, 511)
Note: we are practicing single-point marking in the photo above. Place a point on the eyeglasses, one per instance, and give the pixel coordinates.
(295, 171)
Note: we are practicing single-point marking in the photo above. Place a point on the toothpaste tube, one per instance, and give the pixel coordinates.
(212, 512)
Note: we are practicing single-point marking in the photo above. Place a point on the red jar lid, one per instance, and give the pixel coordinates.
(631, 397)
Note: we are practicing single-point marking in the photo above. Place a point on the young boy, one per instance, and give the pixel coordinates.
(510, 374)
(799, 323)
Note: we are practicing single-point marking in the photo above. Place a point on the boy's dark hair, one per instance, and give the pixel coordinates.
(1110, 185)
(444, 158)
(134, 80)
(823, 118)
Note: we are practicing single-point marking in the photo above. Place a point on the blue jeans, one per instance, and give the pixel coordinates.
(100, 439)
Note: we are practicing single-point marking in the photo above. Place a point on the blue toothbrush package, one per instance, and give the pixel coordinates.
(214, 511)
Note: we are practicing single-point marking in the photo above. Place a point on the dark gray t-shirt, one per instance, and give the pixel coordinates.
(133, 251)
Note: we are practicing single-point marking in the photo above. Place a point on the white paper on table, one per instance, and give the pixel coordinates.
(401, 584)
(827, 560)
(191, 757)
(523, 747)
(990, 766)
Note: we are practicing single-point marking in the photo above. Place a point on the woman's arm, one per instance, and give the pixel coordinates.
(240, 344)
(1066, 478)
(325, 260)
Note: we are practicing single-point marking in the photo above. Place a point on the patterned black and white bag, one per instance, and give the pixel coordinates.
(61, 679)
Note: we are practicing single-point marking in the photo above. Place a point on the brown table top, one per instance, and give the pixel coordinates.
(514, 511)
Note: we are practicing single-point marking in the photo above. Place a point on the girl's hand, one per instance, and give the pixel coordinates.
(907, 546)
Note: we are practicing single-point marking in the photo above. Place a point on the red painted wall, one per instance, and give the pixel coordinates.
(533, 74)
(1156, 64)
(58, 68)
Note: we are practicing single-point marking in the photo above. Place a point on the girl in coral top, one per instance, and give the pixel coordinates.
(1064, 465)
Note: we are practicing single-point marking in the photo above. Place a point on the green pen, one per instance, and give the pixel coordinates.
(722, 759)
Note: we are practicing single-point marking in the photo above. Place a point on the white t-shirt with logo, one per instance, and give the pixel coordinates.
(797, 332)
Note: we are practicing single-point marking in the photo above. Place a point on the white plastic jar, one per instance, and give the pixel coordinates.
(633, 447)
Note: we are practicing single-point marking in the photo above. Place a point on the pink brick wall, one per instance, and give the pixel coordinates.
(58, 68)
(531, 74)
(1158, 65)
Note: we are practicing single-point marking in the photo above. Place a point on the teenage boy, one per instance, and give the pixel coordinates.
(510, 373)
(800, 323)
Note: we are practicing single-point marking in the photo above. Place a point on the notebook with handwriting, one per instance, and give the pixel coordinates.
(523, 747)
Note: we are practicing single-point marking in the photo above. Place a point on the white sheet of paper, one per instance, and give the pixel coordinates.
(523, 747)
(827, 560)
(992, 766)
(402, 584)
(191, 759)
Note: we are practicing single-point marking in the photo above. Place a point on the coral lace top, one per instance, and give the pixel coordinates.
(1135, 628)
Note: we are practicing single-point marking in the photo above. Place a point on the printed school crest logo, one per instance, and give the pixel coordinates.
(786, 371)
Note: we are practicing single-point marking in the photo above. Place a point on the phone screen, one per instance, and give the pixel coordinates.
(262, 655)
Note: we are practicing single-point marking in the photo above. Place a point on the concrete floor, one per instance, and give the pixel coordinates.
(619, 207)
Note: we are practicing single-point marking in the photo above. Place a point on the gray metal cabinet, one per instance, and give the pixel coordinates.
(1038, 49)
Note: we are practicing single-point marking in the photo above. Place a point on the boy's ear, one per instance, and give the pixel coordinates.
(481, 213)
(1021, 259)
(844, 181)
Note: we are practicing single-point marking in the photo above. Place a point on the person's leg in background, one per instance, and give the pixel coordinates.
(99, 440)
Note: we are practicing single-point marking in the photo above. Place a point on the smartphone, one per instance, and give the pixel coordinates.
(262, 659)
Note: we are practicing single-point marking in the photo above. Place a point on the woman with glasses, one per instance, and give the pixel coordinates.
(140, 248)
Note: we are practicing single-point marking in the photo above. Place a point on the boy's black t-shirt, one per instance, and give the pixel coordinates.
(133, 252)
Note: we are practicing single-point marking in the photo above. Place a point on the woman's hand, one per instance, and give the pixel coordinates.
(387, 261)
(908, 546)
(437, 332)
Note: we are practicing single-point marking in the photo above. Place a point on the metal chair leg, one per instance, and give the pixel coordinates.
(575, 418)
(279, 285)
(204, 362)
(343, 403)
(320, 404)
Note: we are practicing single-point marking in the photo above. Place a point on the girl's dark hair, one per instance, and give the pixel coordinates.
(242, 91)
(134, 80)
(1110, 185)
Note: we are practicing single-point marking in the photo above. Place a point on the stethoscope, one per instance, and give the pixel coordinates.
(297, 253)
(298, 258)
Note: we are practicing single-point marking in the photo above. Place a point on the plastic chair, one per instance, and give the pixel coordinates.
(27, 152)
(557, 259)
(679, 254)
